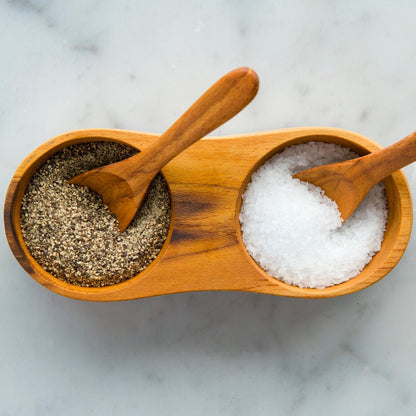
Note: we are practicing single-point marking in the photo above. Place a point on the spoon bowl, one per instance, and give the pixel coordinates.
(204, 248)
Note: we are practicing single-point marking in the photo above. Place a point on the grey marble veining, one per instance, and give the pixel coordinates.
(138, 65)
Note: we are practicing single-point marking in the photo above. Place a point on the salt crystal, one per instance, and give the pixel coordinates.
(295, 233)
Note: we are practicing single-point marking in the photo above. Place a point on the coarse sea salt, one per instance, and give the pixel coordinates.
(295, 233)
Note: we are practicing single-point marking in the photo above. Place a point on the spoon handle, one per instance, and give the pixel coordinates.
(380, 164)
(228, 96)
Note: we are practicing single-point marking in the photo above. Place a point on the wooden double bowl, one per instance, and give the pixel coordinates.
(204, 249)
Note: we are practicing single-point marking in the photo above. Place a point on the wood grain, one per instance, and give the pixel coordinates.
(204, 248)
(347, 183)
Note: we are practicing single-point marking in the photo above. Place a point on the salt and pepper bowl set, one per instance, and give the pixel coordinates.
(204, 248)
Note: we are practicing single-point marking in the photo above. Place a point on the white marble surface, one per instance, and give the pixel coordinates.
(67, 65)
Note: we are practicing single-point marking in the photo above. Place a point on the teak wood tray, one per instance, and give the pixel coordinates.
(204, 248)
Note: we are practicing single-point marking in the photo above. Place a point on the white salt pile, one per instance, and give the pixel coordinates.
(293, 231)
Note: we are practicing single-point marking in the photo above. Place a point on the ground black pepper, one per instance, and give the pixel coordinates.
(72, 234)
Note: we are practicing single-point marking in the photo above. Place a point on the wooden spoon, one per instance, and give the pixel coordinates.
(123, 185)
(347, 183)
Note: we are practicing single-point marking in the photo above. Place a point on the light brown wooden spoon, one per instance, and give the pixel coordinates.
(123, 185)
(347, 183)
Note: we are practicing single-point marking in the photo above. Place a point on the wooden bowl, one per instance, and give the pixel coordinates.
(204, 248)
